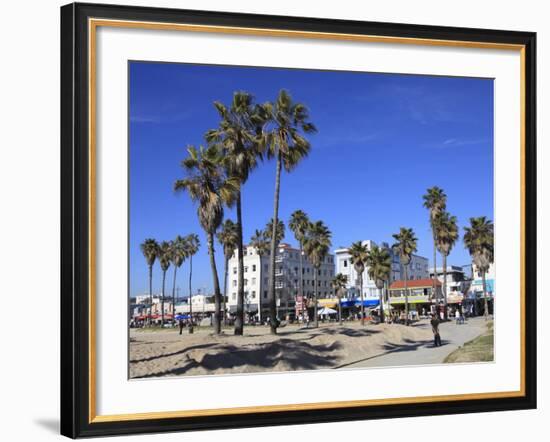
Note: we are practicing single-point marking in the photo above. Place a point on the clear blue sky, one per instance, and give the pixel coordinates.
(382, 140)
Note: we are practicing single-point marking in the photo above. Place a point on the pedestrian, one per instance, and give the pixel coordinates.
(457, 316)
(435, 330)
(181, 325)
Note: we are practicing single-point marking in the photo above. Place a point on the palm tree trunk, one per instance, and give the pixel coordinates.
(445, 313)
(406, 296)
(486, 304)
(174, 297)
(382, 304)
(162, 299)
(190, 295)
(362, 303)
(225, 294)
(302, 281)
(150, 320)
(273, 301)
(340, 310)
(434, 291)
(239, 320)
(217, 295)
(316, 323)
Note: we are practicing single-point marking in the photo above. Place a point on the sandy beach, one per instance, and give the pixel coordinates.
(331, 346)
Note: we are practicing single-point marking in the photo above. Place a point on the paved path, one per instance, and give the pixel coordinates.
(424, 352)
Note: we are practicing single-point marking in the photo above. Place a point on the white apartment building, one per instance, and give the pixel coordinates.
(417, 269)
(287, 280)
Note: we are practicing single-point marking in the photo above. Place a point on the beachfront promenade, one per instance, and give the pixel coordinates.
(159, 353)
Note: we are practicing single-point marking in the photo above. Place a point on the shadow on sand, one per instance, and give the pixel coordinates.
(408, 345)
(295, 355)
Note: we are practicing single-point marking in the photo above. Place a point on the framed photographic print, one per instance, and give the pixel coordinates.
(274, 220)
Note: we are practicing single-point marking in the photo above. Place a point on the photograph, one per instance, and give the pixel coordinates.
(284, 219)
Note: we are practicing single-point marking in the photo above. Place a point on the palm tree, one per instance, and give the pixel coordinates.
(179, 254)
(435, 200)
(164, 256)
(299, 223)
(479, 240)
(447, 235)
(192, 245)
(339, 283)
(209, 186)
(238, 135)
(316, 247)
(284, 141)
(279, 231)
(228, 238)
(359, 253)
(405, 246)
(260, 242)
(149, 248)
(379, 262)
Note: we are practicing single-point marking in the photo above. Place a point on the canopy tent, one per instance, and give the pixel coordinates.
(326, 311)
(357, 303)
(180, 317)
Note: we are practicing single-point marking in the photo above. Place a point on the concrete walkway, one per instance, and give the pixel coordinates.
(424, 352)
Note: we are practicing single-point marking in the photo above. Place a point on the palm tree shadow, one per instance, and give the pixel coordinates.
(292, 354)
(166, 355)
(409, 345)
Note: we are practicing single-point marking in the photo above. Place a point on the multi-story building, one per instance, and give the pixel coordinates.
(287, 281)
(417, 269)
(477, 281)
(456, 283)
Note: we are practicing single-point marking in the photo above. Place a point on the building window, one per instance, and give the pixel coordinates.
(246, 269)
(234, 283)
(265, 294)
(253, 295)
(253, 281)
(245, 282)
(345, 262)
(234, 270)
(245, 252)
(234, 296)
(253, 267)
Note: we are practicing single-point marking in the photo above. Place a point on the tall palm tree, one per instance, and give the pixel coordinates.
(209, 186)
(279, 231)
(238, 135)
(149, 248)
(260, 242)
(379, 262)
(339, 283)
(435, 200)
(479, 240)
(192, 245)
(179, 254)
(228, 238)
(447, 235)
(164, 256)
(359, 253)
(405, 246)
(284, 140)
(316, 247)
(299, 223)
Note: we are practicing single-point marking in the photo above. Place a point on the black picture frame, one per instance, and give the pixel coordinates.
(75, 194)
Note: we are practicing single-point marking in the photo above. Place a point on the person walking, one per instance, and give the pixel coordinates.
(457, 316)
(181, 325)
(435, 330)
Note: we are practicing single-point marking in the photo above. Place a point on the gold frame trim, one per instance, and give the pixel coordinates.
(93, 24)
